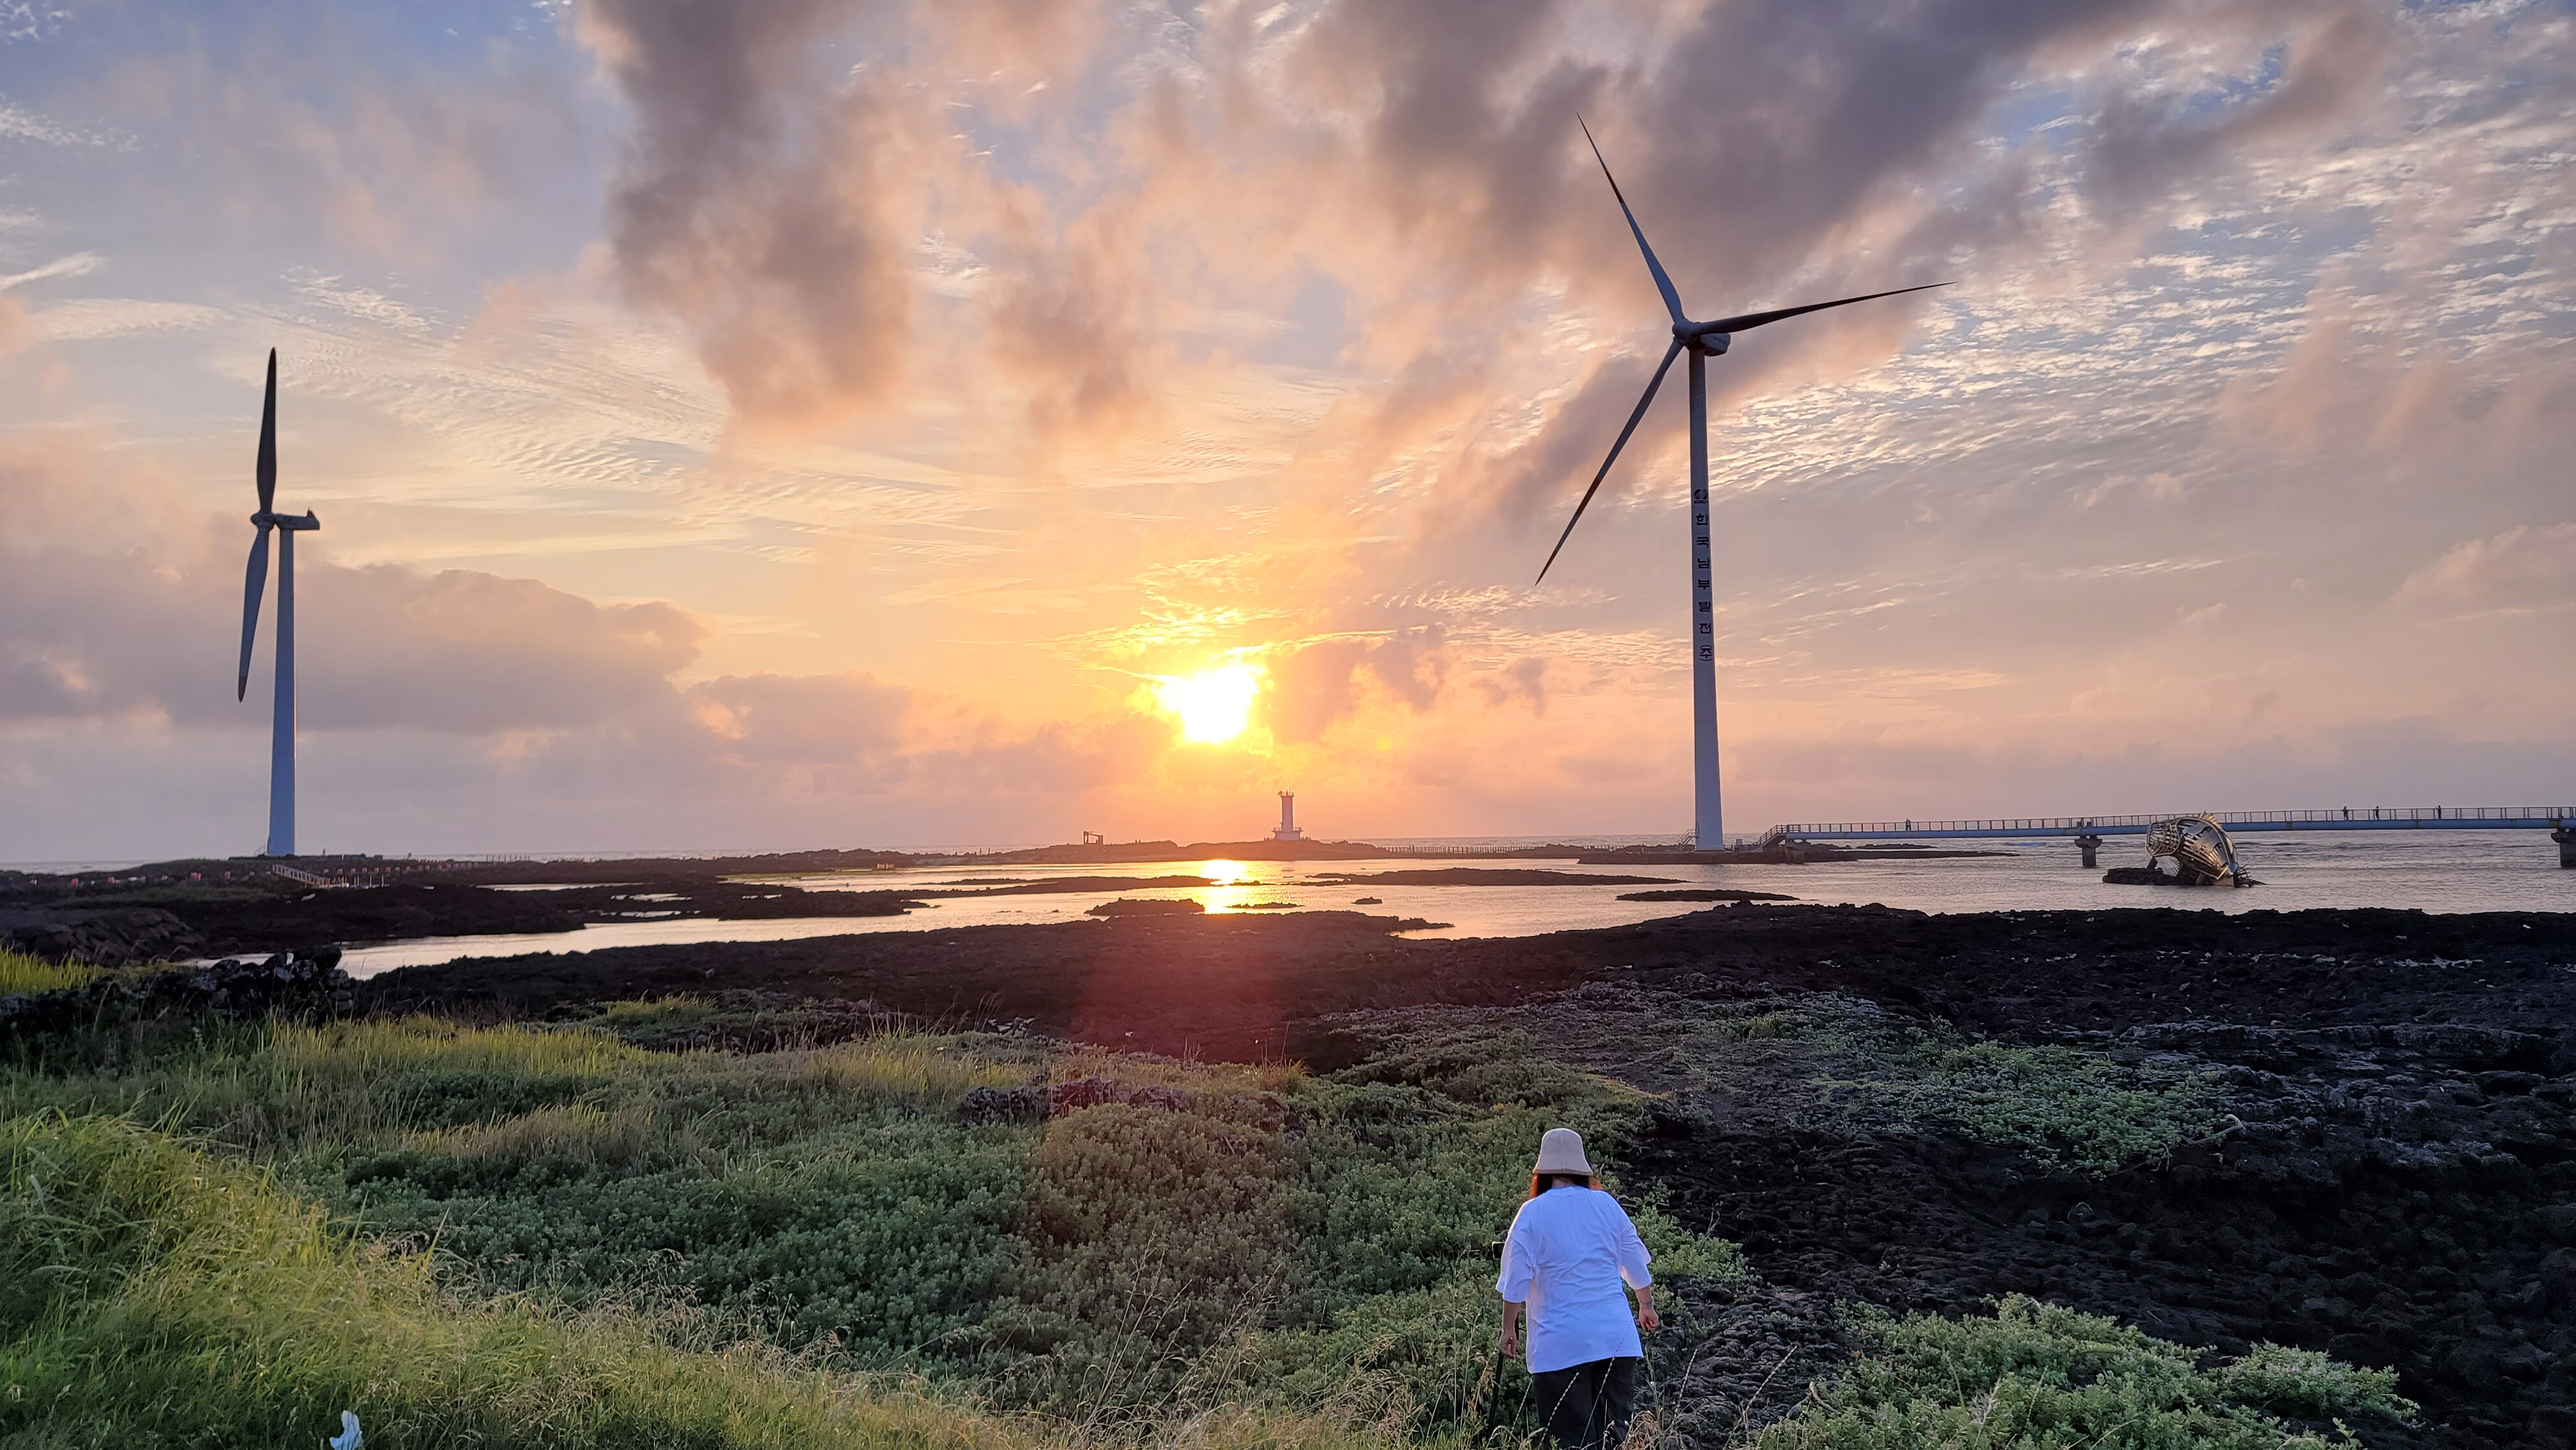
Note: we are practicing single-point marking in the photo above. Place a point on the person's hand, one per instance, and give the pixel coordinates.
(1510, 1344)
(1647, 1319)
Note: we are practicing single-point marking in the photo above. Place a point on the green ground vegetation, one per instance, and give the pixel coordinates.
(155, 1293)
(2091, 1109)
(556, 1235)
(2036, 1377)
(21, 974)
(2081, 1108)
(2064, 1106)
(1176, 1240)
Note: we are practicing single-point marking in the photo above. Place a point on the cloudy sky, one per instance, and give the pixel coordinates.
(842, 422)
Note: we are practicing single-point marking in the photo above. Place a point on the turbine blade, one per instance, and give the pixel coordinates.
(1653, 383)
(1663, 284)
(268, 444)
(1757, 319)
(251, 590)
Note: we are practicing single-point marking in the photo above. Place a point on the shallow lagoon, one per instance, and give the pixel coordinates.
(2446, 871)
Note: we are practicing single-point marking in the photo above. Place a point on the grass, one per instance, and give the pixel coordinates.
(2034, 1375)
(552, 1236)
(1199, 1239)
(21, 974)
(1412, 1165)
(154, 1294)
(813, 1196)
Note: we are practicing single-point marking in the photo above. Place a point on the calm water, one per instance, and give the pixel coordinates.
(2446, 871)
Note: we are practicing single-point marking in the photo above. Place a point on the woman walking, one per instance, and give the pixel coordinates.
(1567, 1263)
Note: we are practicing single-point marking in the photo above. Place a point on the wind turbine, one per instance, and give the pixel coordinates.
(1702, 340)
(281, 748)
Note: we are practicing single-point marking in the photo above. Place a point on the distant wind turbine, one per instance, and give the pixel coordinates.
(281, 749)
(1702, 340)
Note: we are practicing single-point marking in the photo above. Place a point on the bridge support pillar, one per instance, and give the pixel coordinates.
(2565, 836)
(2088, 845)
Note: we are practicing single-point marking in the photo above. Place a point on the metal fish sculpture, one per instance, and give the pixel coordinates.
(2200, 851)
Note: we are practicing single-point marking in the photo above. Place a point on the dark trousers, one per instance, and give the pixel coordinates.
(1586, 1406)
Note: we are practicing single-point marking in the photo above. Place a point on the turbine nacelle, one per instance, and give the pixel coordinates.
(1700, 339)
(266, 520)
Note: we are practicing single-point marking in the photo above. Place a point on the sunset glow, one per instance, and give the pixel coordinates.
(822, 424)
(1214, 705)
(1189, 630)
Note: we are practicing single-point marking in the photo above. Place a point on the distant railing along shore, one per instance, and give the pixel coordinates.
(2339, 818)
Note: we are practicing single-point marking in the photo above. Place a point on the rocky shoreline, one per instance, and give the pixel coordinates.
(117, 928)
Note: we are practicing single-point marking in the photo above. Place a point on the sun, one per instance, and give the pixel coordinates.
(1213, 705)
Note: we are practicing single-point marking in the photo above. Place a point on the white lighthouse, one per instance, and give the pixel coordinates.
(1287, 819)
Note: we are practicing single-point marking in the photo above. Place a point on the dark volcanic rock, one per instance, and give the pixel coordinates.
(294, 986)
(1003, 1105)
(1125, 907)
(305, 919)
(276, 916)
(1229, 986)
(1755, 1347)
(1089, 1092)
(2150, 876)
(2434, 1257)
(102, 937)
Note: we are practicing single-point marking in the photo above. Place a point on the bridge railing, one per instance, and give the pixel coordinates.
(2392, 814)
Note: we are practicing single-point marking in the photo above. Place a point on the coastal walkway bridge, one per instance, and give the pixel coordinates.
(2087, 832)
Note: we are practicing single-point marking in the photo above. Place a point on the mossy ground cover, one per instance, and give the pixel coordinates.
(2038, 1377)
(2063, 1106)
(554, 1236)
(2086, 1109)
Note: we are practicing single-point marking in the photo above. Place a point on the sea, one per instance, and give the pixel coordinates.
(2436, 871)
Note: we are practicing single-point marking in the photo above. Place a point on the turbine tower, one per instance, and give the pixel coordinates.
(1702, 340)
(281, 749)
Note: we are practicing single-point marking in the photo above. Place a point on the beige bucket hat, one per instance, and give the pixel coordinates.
(1560, 1150)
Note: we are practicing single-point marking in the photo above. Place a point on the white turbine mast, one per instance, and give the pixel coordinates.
(281, 748)
(1702, 340)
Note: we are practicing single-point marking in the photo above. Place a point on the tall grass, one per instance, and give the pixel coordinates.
(1201, 1236)
(820, 1196)
(153, 1295)
(277, 1090)
(281, 1090)
(22, 974)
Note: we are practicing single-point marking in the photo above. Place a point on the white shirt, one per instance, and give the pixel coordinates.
(1568, 1255)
